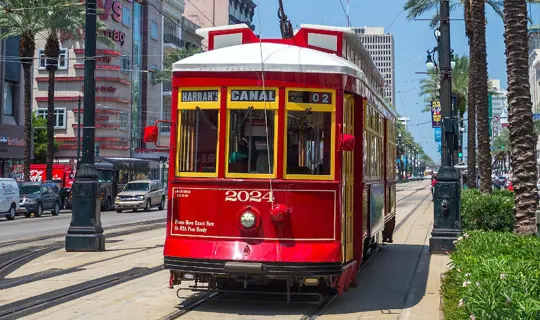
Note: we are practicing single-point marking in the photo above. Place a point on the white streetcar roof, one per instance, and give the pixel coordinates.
(277, 58)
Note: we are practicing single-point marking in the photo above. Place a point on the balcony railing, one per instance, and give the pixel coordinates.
(172, 39)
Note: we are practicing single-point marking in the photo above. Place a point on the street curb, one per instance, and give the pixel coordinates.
(131, 224)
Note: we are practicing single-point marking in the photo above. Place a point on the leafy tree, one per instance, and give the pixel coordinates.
(165, 75)
(40, 139)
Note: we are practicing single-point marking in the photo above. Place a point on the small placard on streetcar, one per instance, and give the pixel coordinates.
(310, 97)
(253, 95)
(200, 95)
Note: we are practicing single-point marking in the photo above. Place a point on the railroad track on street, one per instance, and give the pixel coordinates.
(13, 260)
(47, 300)
(418, 189)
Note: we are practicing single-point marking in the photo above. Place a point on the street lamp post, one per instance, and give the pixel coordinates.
(447, 196)
(85, 232)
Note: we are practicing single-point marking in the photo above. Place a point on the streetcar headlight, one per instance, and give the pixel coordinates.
(247, 219)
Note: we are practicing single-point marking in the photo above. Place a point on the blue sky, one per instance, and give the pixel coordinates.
(412, 39)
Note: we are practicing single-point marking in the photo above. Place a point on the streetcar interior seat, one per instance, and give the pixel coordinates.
(262, 163)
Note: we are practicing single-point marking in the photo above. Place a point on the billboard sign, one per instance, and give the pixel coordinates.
(436, 116)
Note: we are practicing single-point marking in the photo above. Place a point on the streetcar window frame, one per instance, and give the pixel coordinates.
(202, 107)
(255, 106)
(302, 107)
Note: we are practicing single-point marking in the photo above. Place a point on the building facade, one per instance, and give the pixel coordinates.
(11, 108)
(380, 46)
(209, 13)
(126, 98)
(499, 106)
(534, 79)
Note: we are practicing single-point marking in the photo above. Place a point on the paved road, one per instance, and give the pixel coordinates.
(24, 228)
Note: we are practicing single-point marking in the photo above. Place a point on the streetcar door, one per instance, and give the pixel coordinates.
(348, 181)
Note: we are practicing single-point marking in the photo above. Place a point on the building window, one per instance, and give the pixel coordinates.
(8, 98)
(124, 122)
(154, 30)
(60, 116)
(126, 16)
(125, 63)
(62, 59)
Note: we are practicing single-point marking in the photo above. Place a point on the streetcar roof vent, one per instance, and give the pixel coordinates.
(277, 58)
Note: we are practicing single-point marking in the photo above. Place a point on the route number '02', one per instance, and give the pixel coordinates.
(248, 196)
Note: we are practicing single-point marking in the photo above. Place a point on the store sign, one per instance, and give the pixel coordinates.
(13, 142)
(114, 35)
(145, 150)
(102, 118)
(111, 8)
(253, 95)
(104, 89)
(199, 95)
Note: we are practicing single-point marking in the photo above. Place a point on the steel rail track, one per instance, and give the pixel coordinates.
(51, 299)
(184, 309)
(418, 189)
(25, 255)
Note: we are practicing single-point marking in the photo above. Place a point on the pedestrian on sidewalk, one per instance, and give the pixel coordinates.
(433, 183)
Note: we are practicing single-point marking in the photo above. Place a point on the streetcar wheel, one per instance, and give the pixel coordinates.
(11, 214)
(162, 204)
(56, 210)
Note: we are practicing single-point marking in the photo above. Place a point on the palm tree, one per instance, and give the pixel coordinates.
(477, 72)
(523, 155)
(63, 18)
(24, 19)
(429, 88)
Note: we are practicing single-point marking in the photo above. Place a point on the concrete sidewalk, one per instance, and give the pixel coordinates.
(402, 281)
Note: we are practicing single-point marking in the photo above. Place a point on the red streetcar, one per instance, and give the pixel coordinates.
(282, 160)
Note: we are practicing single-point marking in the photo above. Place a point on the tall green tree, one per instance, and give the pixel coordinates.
(64, 18)
(165, 74)
(520, 116)
(39, 125)
(24, 19)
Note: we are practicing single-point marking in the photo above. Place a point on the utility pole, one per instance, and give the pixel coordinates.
(447, 195)
(79, 134)
(85, 232)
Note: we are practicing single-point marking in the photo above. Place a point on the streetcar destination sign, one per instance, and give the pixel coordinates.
(310, 97)
(253, 95)
(200, 96)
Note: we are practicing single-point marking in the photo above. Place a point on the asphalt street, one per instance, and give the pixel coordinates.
(24, 228)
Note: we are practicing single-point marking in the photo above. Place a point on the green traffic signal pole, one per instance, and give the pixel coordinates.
(447, 195)
(85, 232)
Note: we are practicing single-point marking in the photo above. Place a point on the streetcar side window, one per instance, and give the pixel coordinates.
(197, 141)
(251, 141)
(309, 138)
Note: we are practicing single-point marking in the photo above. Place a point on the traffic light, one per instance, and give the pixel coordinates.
(460, 152)
(96, 149)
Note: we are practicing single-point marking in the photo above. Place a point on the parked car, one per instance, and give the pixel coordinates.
(9, 197)
(36, 197)
(141, 194)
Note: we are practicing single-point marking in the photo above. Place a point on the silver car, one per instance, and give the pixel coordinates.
(141, 194)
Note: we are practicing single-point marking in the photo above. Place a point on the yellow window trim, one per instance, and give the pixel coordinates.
(257, 105)
(200, 104)
(297, 106)
(181, 174)
(332, 154)
(250, 175)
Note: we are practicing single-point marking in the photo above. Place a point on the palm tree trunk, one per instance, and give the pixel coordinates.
(522, 139)
(478, 14)
(27, 46)
(27, 68)
(49, 157)
(471, 104)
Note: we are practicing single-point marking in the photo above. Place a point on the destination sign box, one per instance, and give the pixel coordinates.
(200, 95)
(253, 95)
(310, 97)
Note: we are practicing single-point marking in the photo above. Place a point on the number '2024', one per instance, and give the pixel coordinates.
(248, 196)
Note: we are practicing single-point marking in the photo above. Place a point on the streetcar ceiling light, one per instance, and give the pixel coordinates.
(247, 219)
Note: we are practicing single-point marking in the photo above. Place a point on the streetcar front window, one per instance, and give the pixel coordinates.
(309, 143)
(197, 140)
(251, 141)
